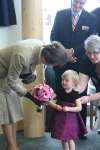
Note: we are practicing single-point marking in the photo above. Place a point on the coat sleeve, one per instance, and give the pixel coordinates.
(16, 67)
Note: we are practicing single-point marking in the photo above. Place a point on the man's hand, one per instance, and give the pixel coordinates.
(70, 55)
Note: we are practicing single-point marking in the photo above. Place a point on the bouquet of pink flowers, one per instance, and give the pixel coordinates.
(43, 92)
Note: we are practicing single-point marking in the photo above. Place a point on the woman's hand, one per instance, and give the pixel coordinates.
(84, 99)
(70, 55)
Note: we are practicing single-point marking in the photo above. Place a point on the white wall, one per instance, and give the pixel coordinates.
(92, 4)
(11, 34)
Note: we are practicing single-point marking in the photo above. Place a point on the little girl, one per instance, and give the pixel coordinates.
(67, 124)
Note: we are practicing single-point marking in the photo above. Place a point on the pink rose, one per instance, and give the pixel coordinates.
(42, 92)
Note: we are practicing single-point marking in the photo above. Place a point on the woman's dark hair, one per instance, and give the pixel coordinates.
(54, 53)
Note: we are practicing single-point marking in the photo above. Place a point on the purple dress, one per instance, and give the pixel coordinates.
(67, 125)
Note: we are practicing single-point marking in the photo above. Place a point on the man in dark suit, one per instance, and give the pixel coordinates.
(62, 28)
(63, 32)
(97, 13)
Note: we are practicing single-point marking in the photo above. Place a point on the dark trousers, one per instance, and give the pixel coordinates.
(84, 113)
(50, 77)
(50, 80)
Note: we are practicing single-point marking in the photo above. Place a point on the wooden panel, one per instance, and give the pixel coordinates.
(32, 28)
(34, 122)
(32, 20)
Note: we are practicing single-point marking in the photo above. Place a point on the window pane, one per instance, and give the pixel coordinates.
(92, 4)
(50, 7)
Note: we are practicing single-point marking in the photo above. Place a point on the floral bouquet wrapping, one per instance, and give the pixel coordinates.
(42, 93)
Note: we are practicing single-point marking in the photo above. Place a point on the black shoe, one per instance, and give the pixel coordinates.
(83, 137)
(98, 132)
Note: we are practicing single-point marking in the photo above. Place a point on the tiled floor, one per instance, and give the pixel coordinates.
(47, 143)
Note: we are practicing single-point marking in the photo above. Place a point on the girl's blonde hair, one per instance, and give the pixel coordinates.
(71, 74)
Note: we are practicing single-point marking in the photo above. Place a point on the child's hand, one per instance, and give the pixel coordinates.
(65, 109)
(55, 106)
(58, 107)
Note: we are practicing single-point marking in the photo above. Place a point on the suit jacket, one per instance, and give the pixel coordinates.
(16, 60)
(97, 13)
(62, 30)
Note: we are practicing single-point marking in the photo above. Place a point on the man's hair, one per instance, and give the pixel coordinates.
(54, 53)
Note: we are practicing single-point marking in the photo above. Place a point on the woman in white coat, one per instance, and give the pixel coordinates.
(17, 64)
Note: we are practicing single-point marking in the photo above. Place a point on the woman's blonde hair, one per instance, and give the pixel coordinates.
(71, 74)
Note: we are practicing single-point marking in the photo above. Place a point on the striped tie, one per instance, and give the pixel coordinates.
(75, 18)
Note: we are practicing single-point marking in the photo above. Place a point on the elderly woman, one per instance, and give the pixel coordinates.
(90, 68)
(17, 64)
